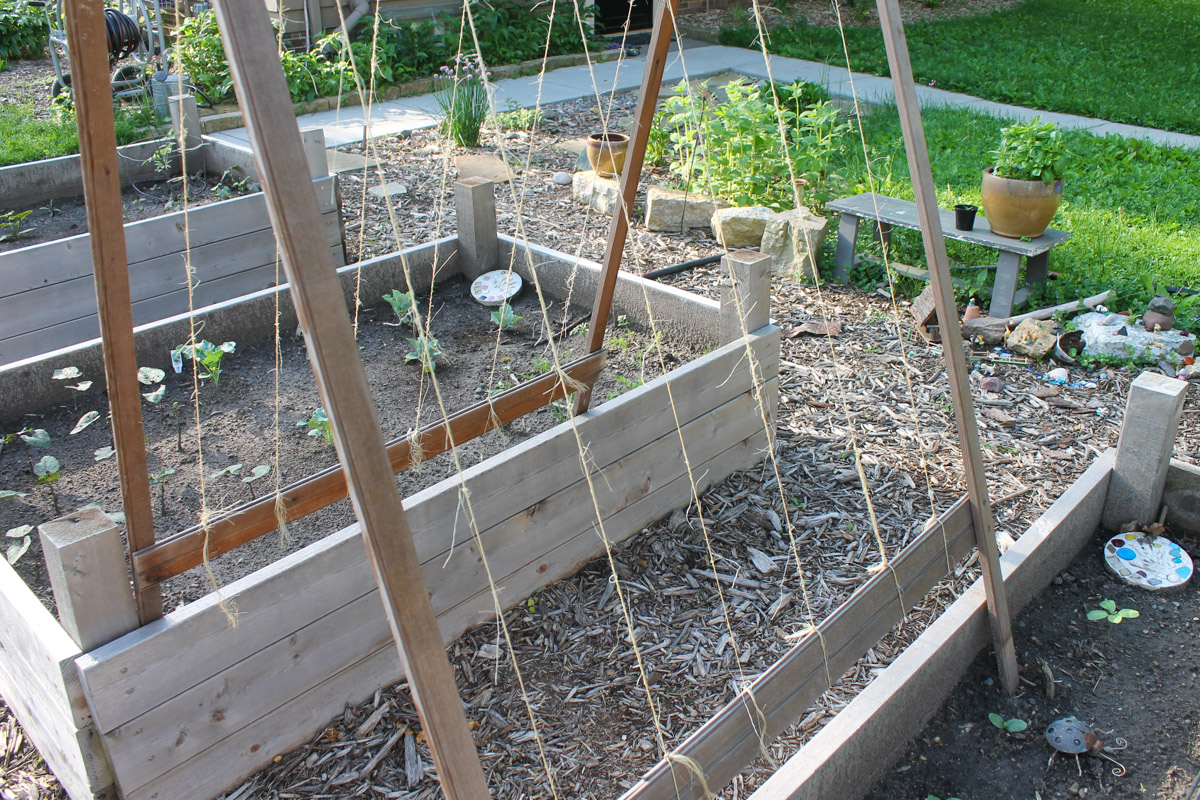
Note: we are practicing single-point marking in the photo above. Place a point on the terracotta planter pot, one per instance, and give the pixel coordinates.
(1019, 208)
(606, 153)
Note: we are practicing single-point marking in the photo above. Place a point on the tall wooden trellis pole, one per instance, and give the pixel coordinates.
(337, 366)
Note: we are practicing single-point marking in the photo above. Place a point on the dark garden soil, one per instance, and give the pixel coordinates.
(243, 417)
(1137, 681)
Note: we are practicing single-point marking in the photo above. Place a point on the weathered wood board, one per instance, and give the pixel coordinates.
(48, 297)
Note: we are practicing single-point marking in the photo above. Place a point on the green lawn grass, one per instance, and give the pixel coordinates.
(28, 138)
(1137, 63)
(1132, 208)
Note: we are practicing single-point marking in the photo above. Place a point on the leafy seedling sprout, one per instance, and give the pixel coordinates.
(318, 425)
(69, 374)
(148, 376)
(504, 318)
(17, 548)
(47, 472)
(206, 355)
(1006, 725)
(30, 438)
(402, 304)
(258, 472)
(159, 479)
(1108, 611)
(85, 421)
(426, 351)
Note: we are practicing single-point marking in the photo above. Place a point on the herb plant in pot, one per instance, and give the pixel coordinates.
(1022, 191)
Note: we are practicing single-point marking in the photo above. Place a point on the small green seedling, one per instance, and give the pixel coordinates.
(85, 421)
(30, 438)
(1108, 611)
(71, 373)
(47, 472)
(16, 549)
(426, 351)
(11, 222)
(402, 304)
(318, 425)
(258, 472)
(104, 453)
(207, 355)
(159, 479)
(1006, 725)
(504, 318)
(232, 469)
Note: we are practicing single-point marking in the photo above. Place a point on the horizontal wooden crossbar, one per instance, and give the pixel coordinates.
(179, 553)
(737, 733)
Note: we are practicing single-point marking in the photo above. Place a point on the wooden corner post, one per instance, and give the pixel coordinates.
(342, 383)
(618, 228)
(746, 302)
(475, 209)
(106, 226)
(956, 362)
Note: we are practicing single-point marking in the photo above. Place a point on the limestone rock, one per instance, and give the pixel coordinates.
(602, 194)
(562, 178)
(741, 227)
(673, 210)
(794, 238)
(1111, 335)
(1034, 338)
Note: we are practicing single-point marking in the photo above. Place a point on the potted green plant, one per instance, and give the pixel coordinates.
(1022, 191)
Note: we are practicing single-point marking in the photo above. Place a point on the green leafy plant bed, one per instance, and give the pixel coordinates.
(1137, 682)
(238, 423)
(1132, 63)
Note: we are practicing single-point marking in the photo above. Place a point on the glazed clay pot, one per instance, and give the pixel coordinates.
(606, 153)
(1019, 208)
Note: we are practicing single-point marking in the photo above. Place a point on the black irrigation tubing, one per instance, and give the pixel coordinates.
(686, 265)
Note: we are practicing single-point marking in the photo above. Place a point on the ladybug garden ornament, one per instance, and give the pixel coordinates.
(1073, 736)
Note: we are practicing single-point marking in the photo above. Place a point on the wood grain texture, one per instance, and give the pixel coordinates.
(39, 683)
(102, 191)
(618, 229)
(185, 550)
(152, 665)
(342, 384)
(956, 362)
(734, 736)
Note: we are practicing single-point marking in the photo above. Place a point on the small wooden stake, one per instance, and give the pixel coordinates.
(956, 363)
(102, 191)
(618, 229)
(342, 383)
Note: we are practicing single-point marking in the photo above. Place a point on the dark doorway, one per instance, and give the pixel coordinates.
(613, 13)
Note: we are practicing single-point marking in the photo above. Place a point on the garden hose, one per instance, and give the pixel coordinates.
(124, 35)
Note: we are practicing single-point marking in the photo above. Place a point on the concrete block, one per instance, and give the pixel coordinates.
(1152, 415)
(673, 210)
(602, 194)
(793, 239)
(741, 227)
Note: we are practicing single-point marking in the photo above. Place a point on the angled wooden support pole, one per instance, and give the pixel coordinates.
(341, 381)
(102, 191)
(618, 228)
(956, 362)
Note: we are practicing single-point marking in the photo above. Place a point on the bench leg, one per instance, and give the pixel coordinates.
(882, 233)
(1037, 268)
(1008, 269)
(843, 259)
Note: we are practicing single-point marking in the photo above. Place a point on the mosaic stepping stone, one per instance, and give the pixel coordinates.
(496, 287)
(1153, 563)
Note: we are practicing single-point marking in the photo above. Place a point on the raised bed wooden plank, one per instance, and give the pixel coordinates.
(241, 752)
(127, 677)
(65, 259)
(85, 329)
(732, 738)
(211, 260)
(251, 520)
(39, 683)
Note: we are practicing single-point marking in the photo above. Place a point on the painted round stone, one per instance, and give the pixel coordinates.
(496, 287)
(1153, 563)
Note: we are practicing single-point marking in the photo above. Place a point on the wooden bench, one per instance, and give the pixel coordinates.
(888, 212)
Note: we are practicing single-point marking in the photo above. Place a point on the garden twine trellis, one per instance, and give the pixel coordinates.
(766, 705)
